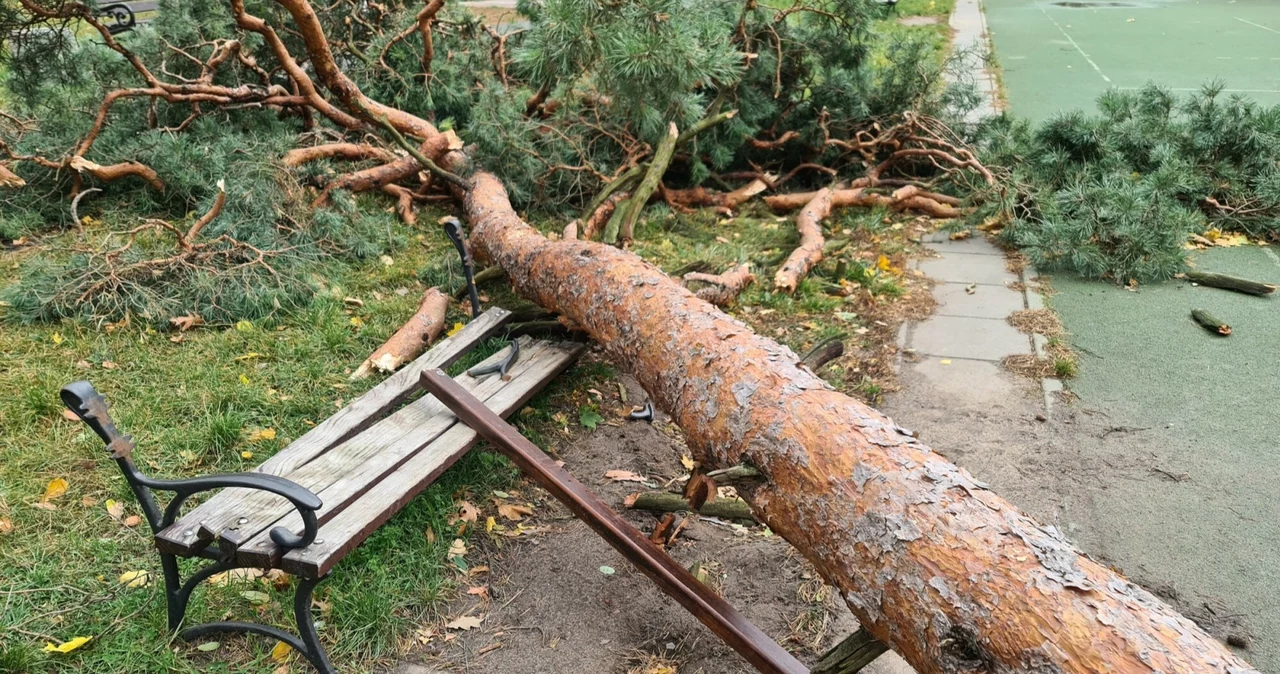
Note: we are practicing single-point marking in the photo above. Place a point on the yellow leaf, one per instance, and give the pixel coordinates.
(244, 326)
(355, 321)
(244, 380)
(262, 434)
(489, 524)
(115, 508)
(945, 361)
(456, 327)
(248, 356)
(246, 455)
(57, 338)
(135, 579)
(686, 461)
(281, 651)
(54, 490)
(883, 263)
(67, 646)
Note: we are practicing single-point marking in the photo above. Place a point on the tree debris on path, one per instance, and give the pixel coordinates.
(1227, 282)
(1210, 322)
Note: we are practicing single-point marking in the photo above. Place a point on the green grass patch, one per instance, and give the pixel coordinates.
(192, 406)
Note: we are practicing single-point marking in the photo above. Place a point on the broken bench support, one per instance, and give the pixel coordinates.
(714, 612)
(849, 656)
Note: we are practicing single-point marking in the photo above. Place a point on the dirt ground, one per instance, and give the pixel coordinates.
(1076, 468)
(551, 608)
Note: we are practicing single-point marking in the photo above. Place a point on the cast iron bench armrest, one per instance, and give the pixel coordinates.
(81, 398)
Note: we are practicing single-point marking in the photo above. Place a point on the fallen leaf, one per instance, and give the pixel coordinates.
(244, 326)
(70, 416)
(356, 322)
(67, 646)
(465, 622)
(135, 579)
(458, 548)
(57, 339)
(246, 455)
(489, 524)
(115, 508)
(479, 591)
(624, 476)
(256, 597)
(960, 235)
(44, 506)
(185, 323)
(5, 526)
(109, 365)
(208, 646)
(54, 490)
(467, 511)
(132, 521)
(262, 434)
(83, 365)
(456, 327)
(387, 260)
(431, 535)
(607, 570)
(248, 356)
(281, 651)
(514, 512)
(883, 263)
(588, 417)
(686, 461)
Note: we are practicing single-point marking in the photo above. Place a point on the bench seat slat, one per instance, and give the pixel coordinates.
(344, 473)
(346, 423)
(355, 523)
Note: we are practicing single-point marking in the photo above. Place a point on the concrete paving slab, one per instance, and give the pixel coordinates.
(984, 302)
(966, 384)
(967, 268)
(973, 246)
(962, 337)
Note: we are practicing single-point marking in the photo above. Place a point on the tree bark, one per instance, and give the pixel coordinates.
(930, 561)
(411, 339)
(1240, 285)
(724, 201)
(666, 502)
(914, 200)
(809, 253)
(722, 288)
(347, 151)
(1210, 322)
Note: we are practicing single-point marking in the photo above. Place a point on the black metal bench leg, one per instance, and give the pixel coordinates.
(306, 642)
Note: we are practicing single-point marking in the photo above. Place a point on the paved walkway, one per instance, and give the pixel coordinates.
(971, 43)
(958, 349)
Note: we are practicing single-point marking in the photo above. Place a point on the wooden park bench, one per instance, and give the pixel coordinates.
(121, 17)
(310, 505)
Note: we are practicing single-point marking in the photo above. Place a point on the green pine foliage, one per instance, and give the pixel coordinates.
(1114, 195)
(610, 76)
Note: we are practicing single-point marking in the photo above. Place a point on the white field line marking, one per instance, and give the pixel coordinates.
(1229, 91)
(1255, 25)
(1077, 45)
(1271, 254)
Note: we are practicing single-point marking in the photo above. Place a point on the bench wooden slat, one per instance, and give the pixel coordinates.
(346, 423)
(350, 527)
(344, 473)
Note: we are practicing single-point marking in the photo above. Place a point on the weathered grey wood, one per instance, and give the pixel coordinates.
(350, 527)
(346, 423)
(849, 656)
(344, 473)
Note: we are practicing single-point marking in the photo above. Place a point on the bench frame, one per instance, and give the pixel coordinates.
(82, 399)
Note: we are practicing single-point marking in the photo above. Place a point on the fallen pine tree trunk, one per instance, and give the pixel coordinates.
(931, 562)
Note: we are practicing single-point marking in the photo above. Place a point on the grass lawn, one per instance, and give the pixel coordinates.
(193, 407)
